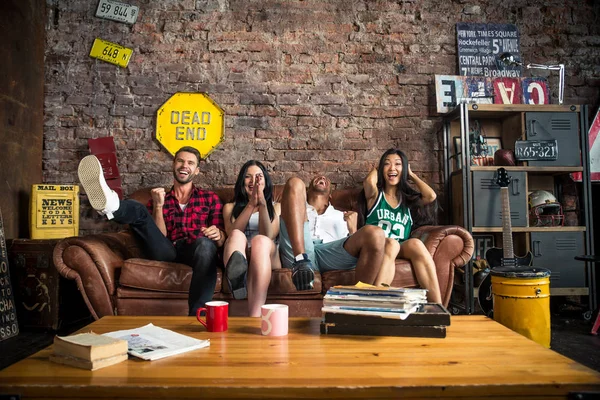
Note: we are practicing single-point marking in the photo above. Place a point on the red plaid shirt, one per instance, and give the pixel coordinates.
(203, 209)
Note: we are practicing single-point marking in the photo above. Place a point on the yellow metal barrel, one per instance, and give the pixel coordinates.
(522, 301)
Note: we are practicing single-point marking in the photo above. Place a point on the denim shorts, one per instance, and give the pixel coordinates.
(325, 256)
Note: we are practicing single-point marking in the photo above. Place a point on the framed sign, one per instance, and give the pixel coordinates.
(483, 242)
(479, 46)
(507, 91)
(594, 146)
(8, 312)
(451, 90)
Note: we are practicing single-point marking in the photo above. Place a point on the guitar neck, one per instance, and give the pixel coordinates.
(507, 242)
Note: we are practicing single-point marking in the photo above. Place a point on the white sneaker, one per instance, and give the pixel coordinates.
(102, 198)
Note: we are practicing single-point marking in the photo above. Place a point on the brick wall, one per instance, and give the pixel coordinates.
(307, 86)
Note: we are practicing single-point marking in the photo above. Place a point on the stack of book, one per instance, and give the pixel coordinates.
(88, 351)
(380, 311)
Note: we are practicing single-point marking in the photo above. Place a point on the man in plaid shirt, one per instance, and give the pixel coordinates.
(182, 225)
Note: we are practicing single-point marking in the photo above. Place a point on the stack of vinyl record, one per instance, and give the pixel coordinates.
(358, 310)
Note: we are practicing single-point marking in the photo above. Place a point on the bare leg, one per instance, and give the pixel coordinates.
(293, 212)
(235, 242)
(388, 264)
(424, 267)
(368, 245)
(259, 273)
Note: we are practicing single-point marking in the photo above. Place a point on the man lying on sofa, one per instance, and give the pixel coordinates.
(184, 225)
(316, 236)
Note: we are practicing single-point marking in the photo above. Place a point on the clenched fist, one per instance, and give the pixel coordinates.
(351, 218)
(158, 196)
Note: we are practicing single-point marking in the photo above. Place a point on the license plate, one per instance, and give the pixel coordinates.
(117, 11)
(111, 52)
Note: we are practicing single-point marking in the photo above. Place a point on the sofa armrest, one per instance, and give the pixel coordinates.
(451, 247)
(94, 262)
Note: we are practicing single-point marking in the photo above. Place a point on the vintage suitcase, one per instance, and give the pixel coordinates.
(44, 298)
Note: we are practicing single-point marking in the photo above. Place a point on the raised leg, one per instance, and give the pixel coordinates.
(293, 213)
(156, 245)
(367, 244)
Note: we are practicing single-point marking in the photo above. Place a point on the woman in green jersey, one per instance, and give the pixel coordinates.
(392, 203)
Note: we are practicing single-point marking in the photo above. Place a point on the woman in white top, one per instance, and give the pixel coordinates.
(252, 225)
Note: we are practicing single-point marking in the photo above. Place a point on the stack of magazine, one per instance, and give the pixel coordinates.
(384, 311)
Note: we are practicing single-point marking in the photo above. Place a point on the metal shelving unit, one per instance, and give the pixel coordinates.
(508, 122)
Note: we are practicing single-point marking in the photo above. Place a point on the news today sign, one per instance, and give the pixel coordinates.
(190, 119)
(479, 46)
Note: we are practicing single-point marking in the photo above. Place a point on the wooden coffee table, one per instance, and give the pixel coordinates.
(478, 358)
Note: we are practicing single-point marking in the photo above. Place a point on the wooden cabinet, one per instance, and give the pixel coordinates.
(44, 299)
(472, 134)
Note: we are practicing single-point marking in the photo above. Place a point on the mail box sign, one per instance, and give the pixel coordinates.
(190, 119)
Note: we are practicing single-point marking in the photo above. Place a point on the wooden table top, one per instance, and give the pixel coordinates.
(478, 358)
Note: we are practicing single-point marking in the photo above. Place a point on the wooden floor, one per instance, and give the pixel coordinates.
(478, 358)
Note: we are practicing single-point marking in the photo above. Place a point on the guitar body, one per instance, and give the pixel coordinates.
(495, 255)
(495, 258)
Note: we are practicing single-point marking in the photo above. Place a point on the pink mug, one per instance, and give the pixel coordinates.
(274, 320)
(216, 316)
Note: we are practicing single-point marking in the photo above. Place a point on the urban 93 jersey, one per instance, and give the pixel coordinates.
(395, 222)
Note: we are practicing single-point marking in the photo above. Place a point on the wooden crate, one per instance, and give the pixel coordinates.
(44, 299)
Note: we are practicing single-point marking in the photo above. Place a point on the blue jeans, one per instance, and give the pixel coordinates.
(201, 254)
(325, 256)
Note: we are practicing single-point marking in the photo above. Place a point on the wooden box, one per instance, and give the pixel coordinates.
(44, 299)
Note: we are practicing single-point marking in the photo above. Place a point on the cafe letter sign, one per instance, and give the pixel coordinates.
(190, 119)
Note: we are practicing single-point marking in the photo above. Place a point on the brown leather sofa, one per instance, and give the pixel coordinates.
(115, 279)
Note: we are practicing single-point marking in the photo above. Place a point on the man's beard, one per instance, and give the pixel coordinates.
(182, 181)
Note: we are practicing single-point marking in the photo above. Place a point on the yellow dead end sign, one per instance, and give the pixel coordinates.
(190, 119)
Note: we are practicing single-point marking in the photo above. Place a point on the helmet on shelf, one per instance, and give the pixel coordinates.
(544, 209)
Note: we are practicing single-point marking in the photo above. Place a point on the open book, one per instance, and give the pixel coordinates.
(152, 343)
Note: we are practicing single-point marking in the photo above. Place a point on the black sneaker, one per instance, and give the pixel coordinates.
(303, 275)
(236, 273)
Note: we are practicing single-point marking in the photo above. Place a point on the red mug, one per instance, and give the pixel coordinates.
(216, 316)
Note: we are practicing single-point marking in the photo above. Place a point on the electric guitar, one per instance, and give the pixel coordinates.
(501, 257)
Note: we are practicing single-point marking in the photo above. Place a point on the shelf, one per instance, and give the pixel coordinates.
(502, 110)
(475, 199)
(575, 291)
(557, 170)
(482, 229)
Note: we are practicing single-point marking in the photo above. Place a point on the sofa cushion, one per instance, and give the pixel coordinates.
(281, 283)
(159, 276)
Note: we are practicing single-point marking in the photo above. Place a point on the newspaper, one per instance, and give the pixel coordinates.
(152, 343)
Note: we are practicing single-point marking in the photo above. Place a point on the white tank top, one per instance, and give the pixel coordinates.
(252, 227)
